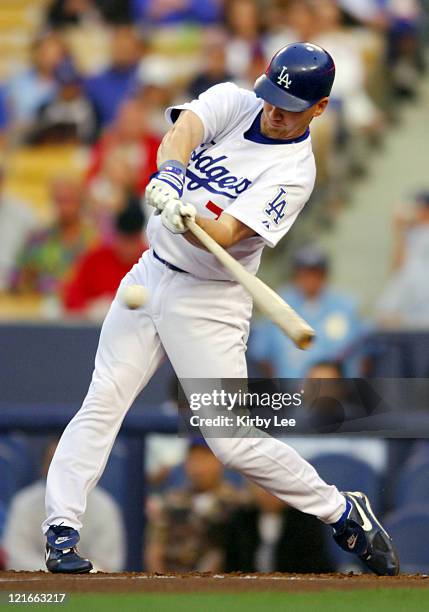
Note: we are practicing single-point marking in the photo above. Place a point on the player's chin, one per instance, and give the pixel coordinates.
(280, 130)
(275, 126)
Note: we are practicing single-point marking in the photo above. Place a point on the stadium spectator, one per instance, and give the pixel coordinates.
(4, 118)
(366, 12)
(97, 274)
(171, 12)
(214, 69)
(244, 27)
(332, 314)
(280, 26)
(122, 162)
(65, 13)
(264, 535)
(327, 419)
(401, 22)
(163, 452)
(109, 88)
(320, 22)
(154, 87)
(69, 117)
(102, 538)
(17, 222)
(36, 85)
(405, 53)
(354, 401)
(186, 526)
(405, 299)
(49, 255)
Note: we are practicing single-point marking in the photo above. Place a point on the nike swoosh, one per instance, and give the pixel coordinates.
(367, 525)
(62, 540)
(351, 542)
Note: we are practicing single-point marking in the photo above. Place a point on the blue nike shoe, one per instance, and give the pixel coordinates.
(361, 533)
(61, 554)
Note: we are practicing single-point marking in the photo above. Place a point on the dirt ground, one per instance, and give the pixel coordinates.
(199, 583)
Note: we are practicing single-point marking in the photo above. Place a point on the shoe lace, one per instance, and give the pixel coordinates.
(61, 529)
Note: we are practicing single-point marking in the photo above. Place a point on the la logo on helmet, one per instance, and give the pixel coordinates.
(283, 78)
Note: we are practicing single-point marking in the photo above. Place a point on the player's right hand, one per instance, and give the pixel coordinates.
(165, 185)
(175, 215)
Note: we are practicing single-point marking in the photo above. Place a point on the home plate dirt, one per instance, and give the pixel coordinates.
(200, 582)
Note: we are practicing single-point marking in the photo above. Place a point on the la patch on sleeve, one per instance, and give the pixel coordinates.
(275, 209)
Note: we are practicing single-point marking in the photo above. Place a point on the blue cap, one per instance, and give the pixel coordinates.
(298, 76)
(310, 256)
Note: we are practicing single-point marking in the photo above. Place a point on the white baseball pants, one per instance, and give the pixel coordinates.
(202, 326)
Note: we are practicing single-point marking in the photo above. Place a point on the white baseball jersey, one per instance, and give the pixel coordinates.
(260, 181)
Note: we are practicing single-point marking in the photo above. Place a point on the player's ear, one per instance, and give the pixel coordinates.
(319, 108)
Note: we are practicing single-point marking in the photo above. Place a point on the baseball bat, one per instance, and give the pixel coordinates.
(268, 301)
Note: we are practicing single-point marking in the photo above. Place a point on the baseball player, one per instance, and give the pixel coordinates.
(240, 164)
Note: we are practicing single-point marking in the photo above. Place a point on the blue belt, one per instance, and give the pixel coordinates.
(168, 264)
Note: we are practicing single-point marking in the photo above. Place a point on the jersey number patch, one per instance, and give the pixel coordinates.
(275, 209)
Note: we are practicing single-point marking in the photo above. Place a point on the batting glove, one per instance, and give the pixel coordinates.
(166, 184)
(175, 214)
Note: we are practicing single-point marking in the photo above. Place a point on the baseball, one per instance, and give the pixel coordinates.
(134, 296)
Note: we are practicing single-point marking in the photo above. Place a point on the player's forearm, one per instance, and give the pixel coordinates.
(175, 145)
(219, 232)
(227, 231)
(179, 142)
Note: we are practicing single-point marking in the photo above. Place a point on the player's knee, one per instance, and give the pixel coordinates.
(104, 389)
(114, 389)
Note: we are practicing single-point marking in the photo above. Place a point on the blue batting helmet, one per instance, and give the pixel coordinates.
(298, 76)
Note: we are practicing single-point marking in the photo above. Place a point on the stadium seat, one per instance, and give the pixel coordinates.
(350, 474)
(2, 519)
(113, 479)
(31, 170)
(409, 528)
(413, 482)
(421, 450)
(23, 466)
(8, 475)
(399, 452)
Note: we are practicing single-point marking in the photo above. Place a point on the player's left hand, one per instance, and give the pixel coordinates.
(165, 185)
(175, 214)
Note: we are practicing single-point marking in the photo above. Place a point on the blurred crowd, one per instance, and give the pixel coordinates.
(82, 114)
(200, 516)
